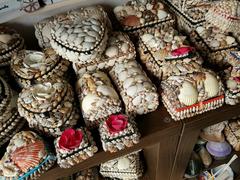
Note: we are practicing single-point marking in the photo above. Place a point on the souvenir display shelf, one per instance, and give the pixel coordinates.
(166, 144)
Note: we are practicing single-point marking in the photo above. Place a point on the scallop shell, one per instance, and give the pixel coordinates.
(29, 156)
(5, 38)
(211, 85)
(87, 102)
(188, 94)
(123, 163)
(107, 91)
(34, 60)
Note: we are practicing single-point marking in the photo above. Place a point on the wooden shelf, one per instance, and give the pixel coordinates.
(153, 127)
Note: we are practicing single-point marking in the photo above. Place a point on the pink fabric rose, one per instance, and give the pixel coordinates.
(70, 139)
(117, 123)
(237, 79)
(182, 51)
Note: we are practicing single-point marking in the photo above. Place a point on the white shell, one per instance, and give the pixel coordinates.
(123, 75)
(107, 91)
(102, 76)
(188, 94)
(200, 29)
(34, 59)
(123, 163)
(147, 37)
(124, 47)
(131, 91)
(230, 40)
(161, 14)
(231, 84)
(111, 51)
(214, 43)
(43, 91)
(128, 82)
(211, 85)
(5, 38)
(87, 102)
(137, 100)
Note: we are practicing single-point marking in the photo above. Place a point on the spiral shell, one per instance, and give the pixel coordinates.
(188, 94)
(211, 85)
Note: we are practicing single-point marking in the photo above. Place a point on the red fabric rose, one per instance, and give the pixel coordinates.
(237, 79)
(116, 123)
(181, 51)
(70, 139)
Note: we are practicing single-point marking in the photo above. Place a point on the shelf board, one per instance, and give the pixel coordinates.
(153, 127)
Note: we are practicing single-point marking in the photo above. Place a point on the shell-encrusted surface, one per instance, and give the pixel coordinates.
(188, 94)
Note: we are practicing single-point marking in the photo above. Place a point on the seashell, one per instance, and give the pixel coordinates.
(87, 45)
(43, 91)
(88, 101)
(123, 163)
(107, 91)
(64, 37)
(153, 43)
(123, 75)
(89, 39)
(230, 40)
(111, 51)
(137, 100)
(188, 94)
(131, 91)
(214, 43)
(34, 59)
(231, 84)
(147, 37)
(93, 33)
(211, 85)
(140, 78)
(125, 47)
(162, 14)
(5, 38)
(131, 20)
(168, 38)
(200, 29)
(30, 156)
(128, 82)
(102, 76)
(96, 28)
(117, 9)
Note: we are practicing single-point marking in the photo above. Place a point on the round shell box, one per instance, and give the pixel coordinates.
(31, 67)
(48, 107)
(26, 157)
(10, 42)
(81, 35)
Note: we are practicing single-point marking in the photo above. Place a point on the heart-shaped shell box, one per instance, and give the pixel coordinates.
(213, 45)
(32, 67)
(81, 35)
(165, 52)
(26, 157)
(225, 15)
(187, 96)
(98, 99)
(119, 48)
(136, 89)
(134, 15)
(190, 14)
(10, 121)
(67, 158)
(232, 134)
(114, 142)
(10, 42)
(48, 107)
(127, 167)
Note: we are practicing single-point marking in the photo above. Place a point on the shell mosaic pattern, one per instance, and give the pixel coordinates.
(98, 98)
(186, 96)
(48, 107)
(232, 133)
(10, 43)
(156, 47)
(126, 167)
(43, 32)
(81, 35)
(225, 15)
(26, 157)
(213, 44)
(119, 47)
(5, 95)
(30, 67)
(86, 149)
(136, 14)
(233, 58)
(118, 141)
(136, 89)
